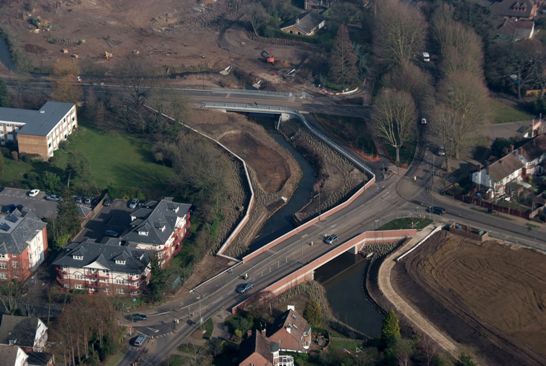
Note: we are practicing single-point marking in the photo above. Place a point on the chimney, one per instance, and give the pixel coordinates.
(289, 329)
(290, 307)
(297, 20)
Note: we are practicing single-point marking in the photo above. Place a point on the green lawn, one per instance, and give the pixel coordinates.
(345, 343)
(503, 112)
(123, 164)
(406, 223)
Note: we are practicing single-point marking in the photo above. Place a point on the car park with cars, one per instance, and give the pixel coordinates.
(33, 192)
(53, 197)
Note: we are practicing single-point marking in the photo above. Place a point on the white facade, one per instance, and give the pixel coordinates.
(36, 250)
(8, 131)
(61, 131)
(40, 339)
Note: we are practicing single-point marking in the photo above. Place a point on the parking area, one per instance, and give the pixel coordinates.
(40, 206)
(112, 220)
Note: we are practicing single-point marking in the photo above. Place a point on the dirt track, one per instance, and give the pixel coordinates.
(488, 296)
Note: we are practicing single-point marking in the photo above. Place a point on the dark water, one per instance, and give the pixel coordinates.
(281, 221)
(343, 279)
(5, 55)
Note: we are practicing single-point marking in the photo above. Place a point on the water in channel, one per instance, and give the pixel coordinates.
(5, 55)
(281, 222)
(343, 278)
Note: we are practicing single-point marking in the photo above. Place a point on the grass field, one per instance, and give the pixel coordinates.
(119, 162)
(503, 112)
(406, 223)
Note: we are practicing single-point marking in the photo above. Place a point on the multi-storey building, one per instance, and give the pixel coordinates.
(159, 229)
(23, 244)
(108, 268)
(38, 132)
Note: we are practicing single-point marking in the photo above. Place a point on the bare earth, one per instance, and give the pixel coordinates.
(485, 295)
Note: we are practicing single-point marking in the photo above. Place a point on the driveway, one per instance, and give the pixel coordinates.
(38, 204)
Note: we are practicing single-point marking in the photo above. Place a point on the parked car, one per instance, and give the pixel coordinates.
(33, 192)
(133, 203)
(423, 121)
(244, 287)
(53, 197)
(441, 151)
(140, 340)
(87, 200)
(330, 239)
(426, 56)
(136, 317)
(437, 210)
(112, 233)
(107, 202)
(78, 199)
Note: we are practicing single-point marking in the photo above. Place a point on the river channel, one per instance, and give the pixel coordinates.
(5, 55)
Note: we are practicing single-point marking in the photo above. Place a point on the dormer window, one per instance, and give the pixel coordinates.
(162, 228)
(77, 257)
(120, 261)
(143, 233)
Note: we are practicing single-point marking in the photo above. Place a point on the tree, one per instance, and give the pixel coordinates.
(11, 293)
(395, 118)
(463, 109)
(65, 72)
(343, 60)
(4, 96)
(465, 360)
(256, 14)
(460, 47)
(313, 312)
(403, 349)
(156, 288)
(77, 165)
(399, 32)
(2, 164)
(67, 222)
(390, 332)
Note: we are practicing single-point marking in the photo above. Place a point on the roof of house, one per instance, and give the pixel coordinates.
(535, 148)
(504, 167)
(515, 30)
(16, 229)
(291, 331)
(39, 122)
(257, 347)
(39, 358)
(114, 257)
(155, 226)
(8, 354)
(513, 8)
(20, 330)
(306, 22)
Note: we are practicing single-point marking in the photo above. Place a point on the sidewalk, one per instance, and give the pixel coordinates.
(418, 321)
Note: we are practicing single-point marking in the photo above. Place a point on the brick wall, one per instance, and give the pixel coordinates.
(35, 145)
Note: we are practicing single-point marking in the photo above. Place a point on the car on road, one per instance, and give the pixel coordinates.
(136, 317)
(53, 197)
(330, 239)
(437, 210)
(33, 192)
(138, 341)
(133, 203)
(244, 287)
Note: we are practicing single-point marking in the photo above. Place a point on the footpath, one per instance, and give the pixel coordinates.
(417, 320)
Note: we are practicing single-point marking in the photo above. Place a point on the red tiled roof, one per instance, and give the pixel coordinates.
(292, 332)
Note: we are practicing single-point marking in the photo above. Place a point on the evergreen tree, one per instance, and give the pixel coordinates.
(343, 60)
(390, 331)
(68, 221)
(313, 313)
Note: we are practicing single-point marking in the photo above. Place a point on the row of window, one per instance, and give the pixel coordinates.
(4, 265)
(119, 291)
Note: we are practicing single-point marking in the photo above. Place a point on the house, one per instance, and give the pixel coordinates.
(515, 166)
(12, 355)
(40, 359)
(108, 268)
(516, 29)
(519, 9)
(159, 228)
(23, 244)
(317, 4)
(307, 24)
(260, 351)
(38, 132)
(27, 332)
(291, 332)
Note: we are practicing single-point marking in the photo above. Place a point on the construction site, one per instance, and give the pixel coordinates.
(488, 296)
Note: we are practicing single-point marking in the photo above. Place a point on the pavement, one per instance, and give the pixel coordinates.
(42, 207)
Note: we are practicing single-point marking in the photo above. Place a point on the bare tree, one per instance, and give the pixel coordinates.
(10, 295)
(343, 59)
(65, 73)
(399, 32)
(462, 111)
(460, 47)
(395, 117)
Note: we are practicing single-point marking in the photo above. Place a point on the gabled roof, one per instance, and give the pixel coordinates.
(504, 167)
(515, 30)
(155, 226)
(535, 148)
(16, 229)
(513, 8)
(39, 122)
(103, 256)
(19, 330)
(255, 348)
(291, 331)
(39, 358)
(8, 354)
(306, 22)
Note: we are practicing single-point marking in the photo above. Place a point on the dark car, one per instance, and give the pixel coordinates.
(78, 199)
(330, 239)
(133, 203)
(112, 233)
(244, 287)
(107, 202)
(53, 197)
(138, 317)
(437, 210)
(139, 340)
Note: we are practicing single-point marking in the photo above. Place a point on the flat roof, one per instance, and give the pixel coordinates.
(39, 122)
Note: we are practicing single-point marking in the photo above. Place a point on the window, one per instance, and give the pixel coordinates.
(77, 257)
(14, 264)
(78, 287)
(3, 256)
(120, 291)
(3, 265)
(120, 261)
(143, 233)
(3, 276)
